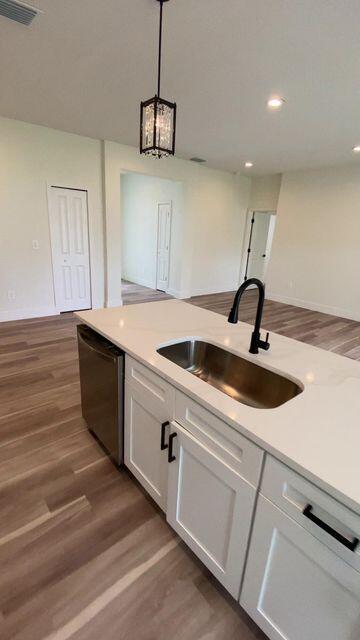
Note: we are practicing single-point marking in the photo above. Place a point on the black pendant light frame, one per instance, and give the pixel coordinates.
(157, 102)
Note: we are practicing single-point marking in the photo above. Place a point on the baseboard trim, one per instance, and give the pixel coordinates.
(181, 295)
(314, 306)
(25, 314)
(115, 302)
(212, 290)
(140, 281)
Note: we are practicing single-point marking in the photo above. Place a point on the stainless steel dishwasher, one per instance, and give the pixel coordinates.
(102, 390)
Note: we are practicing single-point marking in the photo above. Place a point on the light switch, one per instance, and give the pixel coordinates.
(35, 244)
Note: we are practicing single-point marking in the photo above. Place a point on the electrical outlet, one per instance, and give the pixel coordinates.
(11, 294)
(35, 245)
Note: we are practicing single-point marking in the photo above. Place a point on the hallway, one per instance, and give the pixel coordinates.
(134, 293)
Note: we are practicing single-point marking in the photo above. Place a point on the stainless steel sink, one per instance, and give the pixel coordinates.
(239, 378)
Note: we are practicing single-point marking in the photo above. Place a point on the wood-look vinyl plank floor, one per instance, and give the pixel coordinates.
(84, 553)
(133, 293)
(318, 329)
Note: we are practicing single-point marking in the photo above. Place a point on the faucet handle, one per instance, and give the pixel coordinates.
(265, 344)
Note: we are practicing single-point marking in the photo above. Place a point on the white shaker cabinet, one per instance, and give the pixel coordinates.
(302, 549)
(149, 406)
(142, 448)
(210, 506)
(295, 586)
(197, 469)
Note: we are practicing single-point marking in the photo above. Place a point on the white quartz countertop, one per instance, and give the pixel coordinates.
(317, 433)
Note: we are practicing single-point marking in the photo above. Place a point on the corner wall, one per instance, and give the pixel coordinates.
(31, 158)
(315, 260)
(219, 207)
(265, 192)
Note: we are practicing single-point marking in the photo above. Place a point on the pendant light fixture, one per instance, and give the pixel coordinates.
(158, 117)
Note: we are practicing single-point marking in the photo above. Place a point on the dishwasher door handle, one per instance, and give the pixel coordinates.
(100, 351)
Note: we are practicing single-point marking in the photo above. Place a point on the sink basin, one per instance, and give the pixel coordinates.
(239, 378)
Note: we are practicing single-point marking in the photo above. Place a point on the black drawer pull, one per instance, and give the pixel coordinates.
(163, 445)
(171, 457)
(349, 544)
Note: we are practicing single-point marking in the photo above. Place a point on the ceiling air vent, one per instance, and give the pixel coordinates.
(18, 11)
(199, 160)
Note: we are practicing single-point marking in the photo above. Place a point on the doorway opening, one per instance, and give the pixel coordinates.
(151, 221)
(69, 234)
(259, 236)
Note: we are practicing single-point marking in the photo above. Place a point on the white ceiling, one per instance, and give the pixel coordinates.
(84, 65)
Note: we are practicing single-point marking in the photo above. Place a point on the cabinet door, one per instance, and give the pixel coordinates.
(210, 506)
(295, 587)
(142, 440)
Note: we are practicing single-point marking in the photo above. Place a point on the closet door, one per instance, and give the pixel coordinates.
(68, 217)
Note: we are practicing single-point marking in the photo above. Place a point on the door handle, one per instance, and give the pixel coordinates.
(171, 457)
(349, 544)
(163, 445)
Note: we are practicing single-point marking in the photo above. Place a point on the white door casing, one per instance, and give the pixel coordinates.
(258, 237)
(259, 245)
(210, 506)
(69, 233)
(269, 242)
(163, 246)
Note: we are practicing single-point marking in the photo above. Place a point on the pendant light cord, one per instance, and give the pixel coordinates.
(160, 44)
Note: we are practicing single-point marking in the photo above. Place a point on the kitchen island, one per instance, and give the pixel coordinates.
(249, 489)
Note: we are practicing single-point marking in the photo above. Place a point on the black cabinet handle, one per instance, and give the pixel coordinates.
(171, 457)
(349, 544)
(163, 445)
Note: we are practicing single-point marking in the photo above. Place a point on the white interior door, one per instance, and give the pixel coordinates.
(259, 245)
(70, 248)
(163, 246)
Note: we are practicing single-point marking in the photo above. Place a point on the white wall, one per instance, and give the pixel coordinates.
(215, 205)
(264, 193)
(32, 157)
(207, 240)
(140, 196)
(315, 259)
(219, 205)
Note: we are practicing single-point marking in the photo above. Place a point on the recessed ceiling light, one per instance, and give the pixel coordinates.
(248, 165)
(356, 149)
(275, 103)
